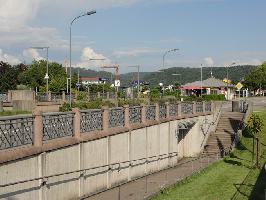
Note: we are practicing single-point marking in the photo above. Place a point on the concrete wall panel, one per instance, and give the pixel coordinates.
(138, 151)
(173, 141)
(61, 161)
(153, 148)
(164, 144)
(94, 155)
(119, 152)
(16, 171)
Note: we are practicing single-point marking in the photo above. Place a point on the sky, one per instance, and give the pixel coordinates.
(135, 32)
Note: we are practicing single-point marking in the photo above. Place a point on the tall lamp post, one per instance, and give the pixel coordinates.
(227, 77)
(137, 66)
(70, 47)
(201, 80)
(171, 50)
(46, 77)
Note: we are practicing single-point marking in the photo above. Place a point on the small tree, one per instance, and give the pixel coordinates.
(255, 125)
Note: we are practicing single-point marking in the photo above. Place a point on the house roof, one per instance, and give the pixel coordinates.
(208, 83)
(89, 79)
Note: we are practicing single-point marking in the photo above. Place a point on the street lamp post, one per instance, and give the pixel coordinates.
(227, 77)
(70, 47)
(137, 66)
(46, 77)
(171, 50)
(201, 80)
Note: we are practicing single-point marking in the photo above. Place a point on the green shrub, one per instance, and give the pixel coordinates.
(65, 107)
(213, 97)
(82, 96)
(130, 102)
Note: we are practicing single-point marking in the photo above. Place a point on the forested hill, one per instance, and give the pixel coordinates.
(187, 74)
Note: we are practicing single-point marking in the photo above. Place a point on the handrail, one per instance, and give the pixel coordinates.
(213, 123)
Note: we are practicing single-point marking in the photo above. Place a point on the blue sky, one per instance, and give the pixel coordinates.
(130, 32)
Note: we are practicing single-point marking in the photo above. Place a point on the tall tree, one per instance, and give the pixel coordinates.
(9, 76)
(257, 78)
(34, 76)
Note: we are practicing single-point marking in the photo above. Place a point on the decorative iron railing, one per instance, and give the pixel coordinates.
(135, 114)
(3, 97)
(19, 130)
(56, 97)
(91, 120)
(162, 109)
(173, 110)
(16, 131)
(41, 97)
(151, 112)
(208, 106)
(116, 117)
(187, 108)
(57, 125)
(199, 107)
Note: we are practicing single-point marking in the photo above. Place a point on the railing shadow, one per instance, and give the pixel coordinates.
(259, 189)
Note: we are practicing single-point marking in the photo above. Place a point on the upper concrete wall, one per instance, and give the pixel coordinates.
(100, 164)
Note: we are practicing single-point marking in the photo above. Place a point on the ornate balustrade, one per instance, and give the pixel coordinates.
(116, 117)
(91, 120)
(186, 108)
(199, 107)
(56, 97)
(4, 97)
(162, 111)
(135, 114)
(41, 97)
(16, 131)
(151, 112)
(57, 125)
(173, 110)
(34, 130)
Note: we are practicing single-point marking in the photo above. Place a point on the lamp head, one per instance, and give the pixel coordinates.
(91, 12)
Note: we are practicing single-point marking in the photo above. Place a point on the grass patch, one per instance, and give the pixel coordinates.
(234, 177)
(11, 113)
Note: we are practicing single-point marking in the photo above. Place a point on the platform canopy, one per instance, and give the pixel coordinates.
(208, 83)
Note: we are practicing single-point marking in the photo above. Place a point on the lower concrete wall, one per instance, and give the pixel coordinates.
(144, 143)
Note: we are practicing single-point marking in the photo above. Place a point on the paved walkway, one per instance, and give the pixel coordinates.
(146, 187)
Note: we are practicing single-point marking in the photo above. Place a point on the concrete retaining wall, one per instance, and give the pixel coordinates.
(144, 143)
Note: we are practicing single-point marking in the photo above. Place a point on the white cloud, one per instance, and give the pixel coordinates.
(8, 58)
(17, 12)
(88, 54)
(209, 61)
(133, 52)
(33, 54)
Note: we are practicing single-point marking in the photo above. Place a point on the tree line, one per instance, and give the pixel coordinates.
(31, 76)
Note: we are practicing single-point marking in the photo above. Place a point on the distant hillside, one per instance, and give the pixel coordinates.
(187, 74)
